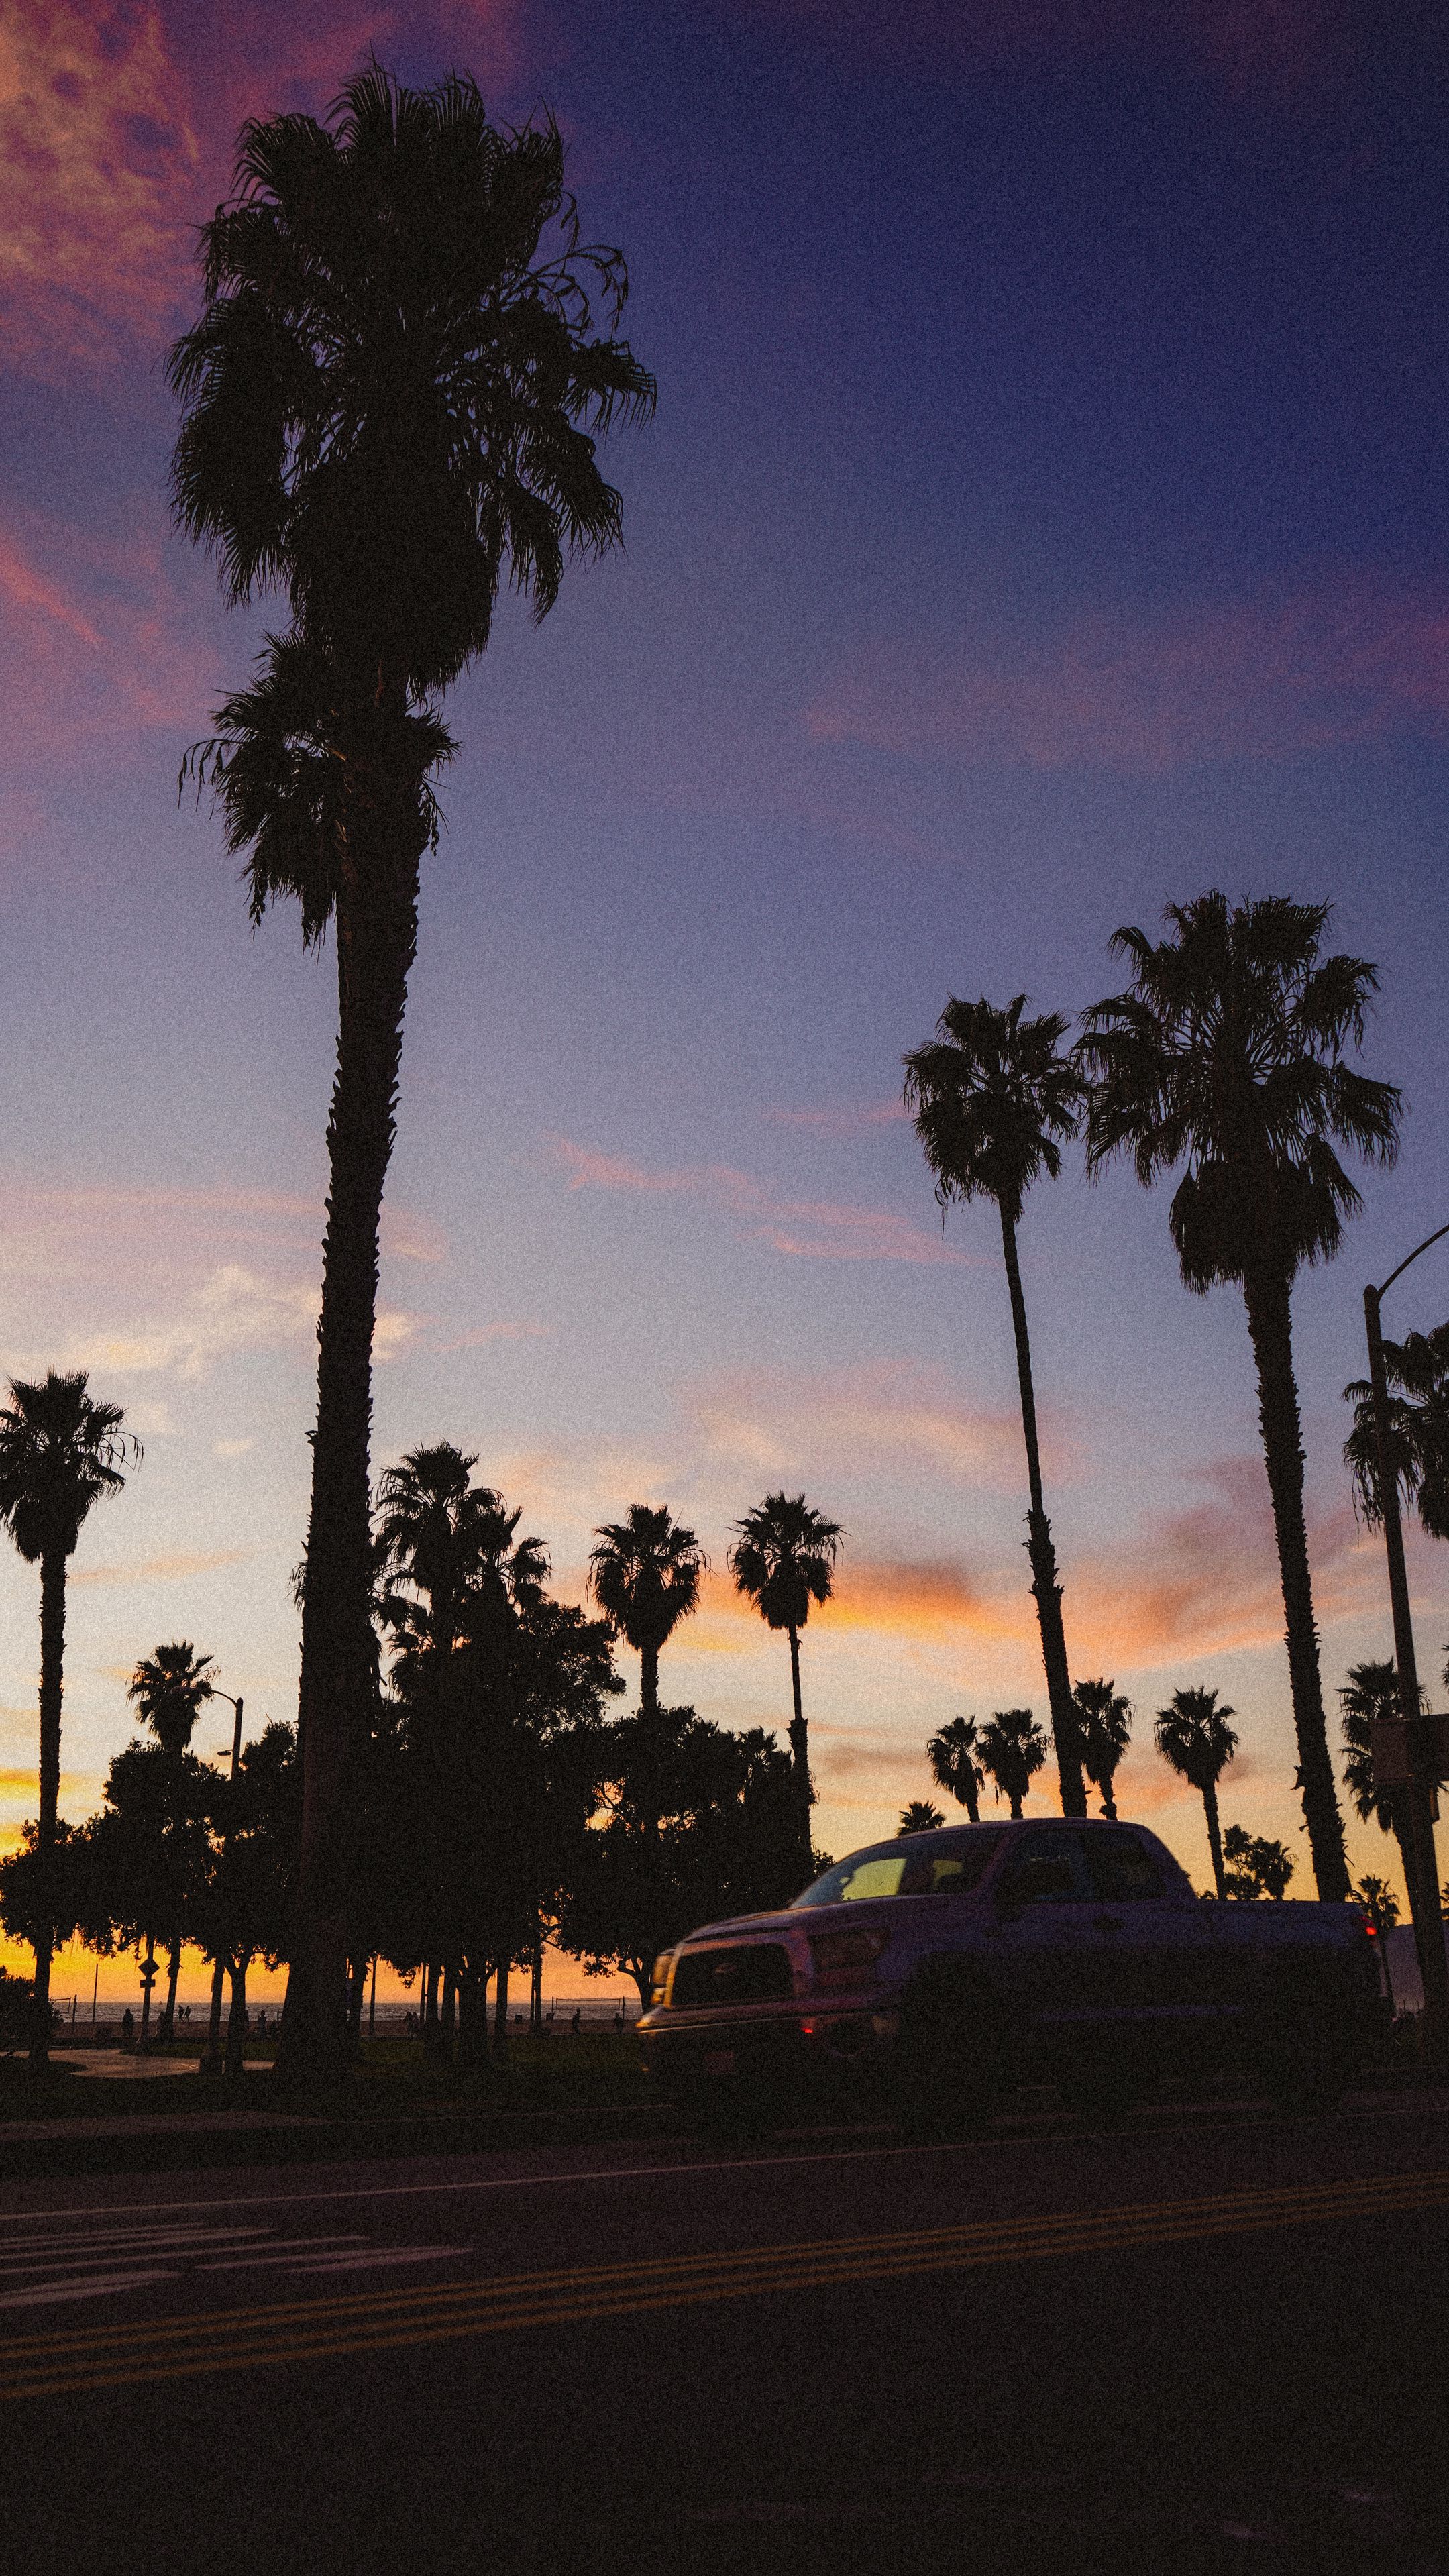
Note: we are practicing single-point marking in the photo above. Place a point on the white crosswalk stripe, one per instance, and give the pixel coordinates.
(57, 2263)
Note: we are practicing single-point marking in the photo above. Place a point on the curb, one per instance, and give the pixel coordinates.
(278, 2138)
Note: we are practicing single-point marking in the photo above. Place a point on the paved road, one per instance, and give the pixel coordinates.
(1202, 2344)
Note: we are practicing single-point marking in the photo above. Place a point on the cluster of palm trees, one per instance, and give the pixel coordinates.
(1223, 1063)
(392, 402)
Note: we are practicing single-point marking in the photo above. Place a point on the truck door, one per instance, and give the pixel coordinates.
(1154, 1967)
(1040, 1938)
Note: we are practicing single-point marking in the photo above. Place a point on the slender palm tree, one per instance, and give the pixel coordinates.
(783, 1560)
(169, 1689)
(1195, 1739)
(61, 1450)
(645, 1576)
(1105, 1720)
(954, 1754)
(1417, 1371)
(391, 401)
(1013, 1750)
(920, 1817)
(994, 1101)
(1372, 1692)
(1226, 1056)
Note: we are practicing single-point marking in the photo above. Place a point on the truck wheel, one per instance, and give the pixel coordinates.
(948, 2065)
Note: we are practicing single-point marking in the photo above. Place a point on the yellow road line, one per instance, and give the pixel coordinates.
(303, 2330)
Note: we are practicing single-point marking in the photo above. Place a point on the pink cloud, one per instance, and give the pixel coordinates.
(1327, 665)
(95, 637)
(901, 1415)
(812, 1229)
(118, 124)
(841, 1121)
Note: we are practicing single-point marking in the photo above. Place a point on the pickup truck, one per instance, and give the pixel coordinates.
(932, 1974)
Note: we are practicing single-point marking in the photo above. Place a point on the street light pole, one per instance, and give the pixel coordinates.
(211, 2063)
(1424, 1900)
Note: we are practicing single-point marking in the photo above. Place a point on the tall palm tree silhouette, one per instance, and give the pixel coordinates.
(783, 1560)
(169, 1689)
(1226, 1055)
(1105, 1719)
(954, 1754)
(391, 400)
(1372, 1691)
(61, 1451)
(1013, 1750)
(994, 1101)
(1195, 1739)
(645, 1575)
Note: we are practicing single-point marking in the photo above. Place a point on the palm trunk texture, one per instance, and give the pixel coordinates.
(1271, 1332)
(1215, 1836)
(800, 1754)
(1042, 1556)
(52, 1665)
(649, 1680)
(376, 924)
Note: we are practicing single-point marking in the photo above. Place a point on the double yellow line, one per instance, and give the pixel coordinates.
(381, 2321)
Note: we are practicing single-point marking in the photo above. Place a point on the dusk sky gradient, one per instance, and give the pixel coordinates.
(1044, 519)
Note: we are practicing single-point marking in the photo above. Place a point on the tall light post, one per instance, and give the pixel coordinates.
(211, 2062)
(1420, 1730)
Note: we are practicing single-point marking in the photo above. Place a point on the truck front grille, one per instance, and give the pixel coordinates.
(757, 1972)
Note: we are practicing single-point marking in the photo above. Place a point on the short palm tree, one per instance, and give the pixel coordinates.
(645, 1575)
(994, 1100)
(1196, 1741)
(1226, 1057)
(920, 1817)
(1382, 1908)
(169, 1689)
(61, 1451)
(1105, 1720)
(1013, 1750)
(1417, 1371)
(391, 401)
(783, 1560)
(432, 1528)
(1371, 1693)
(954, 1754)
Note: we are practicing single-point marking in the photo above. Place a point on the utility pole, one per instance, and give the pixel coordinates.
(1422, 1784)
(211, 2062)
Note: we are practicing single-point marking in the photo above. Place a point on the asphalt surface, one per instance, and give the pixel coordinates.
(1202, 2342)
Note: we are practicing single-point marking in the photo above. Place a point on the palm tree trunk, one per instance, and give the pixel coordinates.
(1271, 1332)
(376, 925)
(1043, 1558)
(1215, 1837)
(211, 2064)
(649, 1679)
(52, 1665)
(800, 1755)
(168, 2018)
(236, 2021)
(1014, 1800)
(500, 2013)
(148, 1980)
(1109, 1801)
(535, 1992)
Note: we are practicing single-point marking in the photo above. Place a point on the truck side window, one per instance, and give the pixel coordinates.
(1046, 1869)
(1121, 1868)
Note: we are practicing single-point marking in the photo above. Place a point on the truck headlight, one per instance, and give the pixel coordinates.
(843, 1959)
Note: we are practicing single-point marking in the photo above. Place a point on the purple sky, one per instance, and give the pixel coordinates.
(1044, 519)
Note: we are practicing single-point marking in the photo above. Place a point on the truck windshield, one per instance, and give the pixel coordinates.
(950, 1863)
